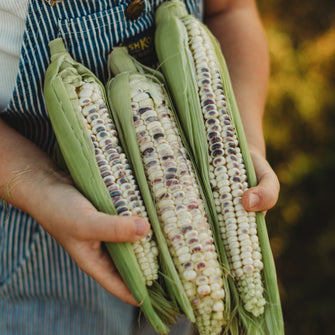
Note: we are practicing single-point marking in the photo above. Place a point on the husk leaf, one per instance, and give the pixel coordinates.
(119, 97)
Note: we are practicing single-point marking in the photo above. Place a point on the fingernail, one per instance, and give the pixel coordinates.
(141, 227)
(253, 200)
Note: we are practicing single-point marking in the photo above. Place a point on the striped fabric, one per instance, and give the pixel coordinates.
(12, 24)
(42, 291)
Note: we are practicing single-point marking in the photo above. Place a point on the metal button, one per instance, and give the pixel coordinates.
(134, 9)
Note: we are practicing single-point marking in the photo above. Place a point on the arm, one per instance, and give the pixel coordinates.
(30, 181)
(237, 26)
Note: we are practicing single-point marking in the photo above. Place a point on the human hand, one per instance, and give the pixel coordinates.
(79, 228)
(30, 181)
(265, 195)
(248, 61)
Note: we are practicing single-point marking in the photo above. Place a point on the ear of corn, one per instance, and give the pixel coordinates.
(197, 76)
(88, 141)
(152, 138)
(119, 93)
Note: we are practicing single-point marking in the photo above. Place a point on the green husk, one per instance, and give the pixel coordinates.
(178, 69)
(273, 318)
(172, 49)
(78, 153)
(118, 91)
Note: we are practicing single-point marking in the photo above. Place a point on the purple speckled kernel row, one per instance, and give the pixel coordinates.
(228, 174)
(178, 201)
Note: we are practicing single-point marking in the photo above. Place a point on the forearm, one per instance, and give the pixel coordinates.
(26, 172)
(240, 33)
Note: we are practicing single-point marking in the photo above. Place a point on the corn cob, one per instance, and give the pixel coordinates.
(173, 186)
(86, 135)
(115, 170)
(227, 172)
(198, 79)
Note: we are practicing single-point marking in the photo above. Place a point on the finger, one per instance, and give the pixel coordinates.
(108, 277)
(95, 262)
(265, 195)
(112, 228)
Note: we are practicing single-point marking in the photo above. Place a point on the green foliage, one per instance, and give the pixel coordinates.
(300, 134)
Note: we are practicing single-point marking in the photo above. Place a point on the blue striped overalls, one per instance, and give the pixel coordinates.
(42, 291)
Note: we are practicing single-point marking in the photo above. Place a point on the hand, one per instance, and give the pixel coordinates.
(73, 221)
(265, 195)
(76, 225)
(30, 181)
(245, 49)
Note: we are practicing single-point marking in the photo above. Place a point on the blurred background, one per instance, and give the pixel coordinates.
(300, 135)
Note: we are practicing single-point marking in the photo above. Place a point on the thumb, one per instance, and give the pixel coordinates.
(265, 195)
(112, 228)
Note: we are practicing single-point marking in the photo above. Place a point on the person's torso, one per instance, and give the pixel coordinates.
(90, 29)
